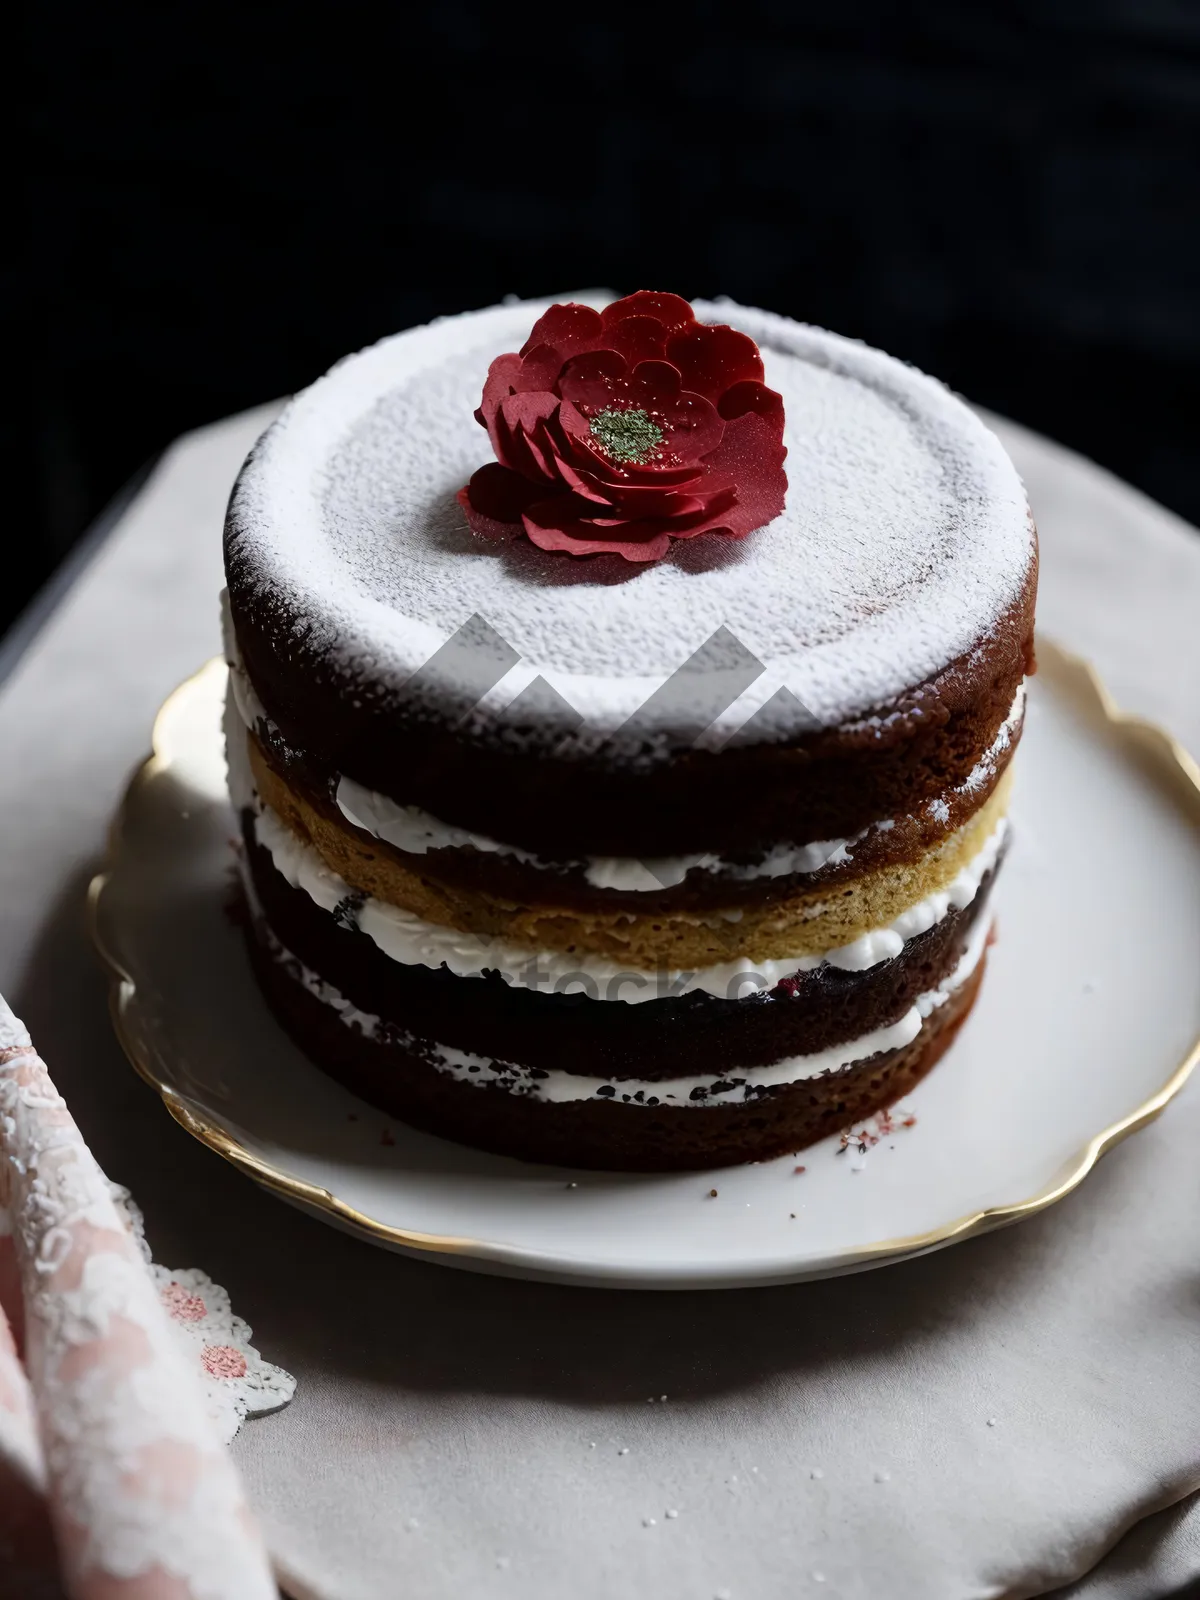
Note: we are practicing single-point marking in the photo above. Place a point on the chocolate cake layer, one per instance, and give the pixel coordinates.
(599, 1133)
(653, 1040)
(747, 797)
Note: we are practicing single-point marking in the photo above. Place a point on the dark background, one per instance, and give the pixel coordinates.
(220, 203)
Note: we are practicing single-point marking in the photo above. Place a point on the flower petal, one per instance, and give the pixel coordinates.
(539, 369)
(595, 379)
(567, 523)
(669, 505)
(575, 426)
(527, 410)
(520, 416)
(501, 379)
(568, 328)
(502, 375)
(653, 473)
(713, 359)
(616, 484)
(694, 427)
(751, 395)
(496, 492)
(552, 525)
(587, 484)
(543, 447)
(669, 309)
(637, 338)
(655, 384)
(494, 500)
(751, 455)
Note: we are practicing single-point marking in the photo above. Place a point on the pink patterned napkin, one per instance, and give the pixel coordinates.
(26, 1543)
(112, 1421)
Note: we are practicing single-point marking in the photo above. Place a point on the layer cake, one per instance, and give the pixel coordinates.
(585, 818)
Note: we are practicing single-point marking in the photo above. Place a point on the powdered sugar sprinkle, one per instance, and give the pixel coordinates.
(905, 538)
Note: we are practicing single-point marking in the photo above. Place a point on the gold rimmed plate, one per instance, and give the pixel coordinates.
(1087, 1024)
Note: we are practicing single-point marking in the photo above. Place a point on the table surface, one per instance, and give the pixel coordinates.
(440, 1441)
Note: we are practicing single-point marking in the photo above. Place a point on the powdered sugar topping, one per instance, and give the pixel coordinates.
(905, 537)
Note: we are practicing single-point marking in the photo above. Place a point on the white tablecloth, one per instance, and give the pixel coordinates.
(464, 1436)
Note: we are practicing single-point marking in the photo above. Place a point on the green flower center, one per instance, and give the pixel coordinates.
(632, 436)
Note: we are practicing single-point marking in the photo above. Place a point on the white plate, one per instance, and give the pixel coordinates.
(1087, 1023)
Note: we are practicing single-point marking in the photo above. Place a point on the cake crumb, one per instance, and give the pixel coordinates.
(797, 1170)
(712, 1194)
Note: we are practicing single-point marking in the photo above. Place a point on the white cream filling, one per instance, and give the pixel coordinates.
(558, 1086)
(881, 944)
(410, 829)
(411, 940)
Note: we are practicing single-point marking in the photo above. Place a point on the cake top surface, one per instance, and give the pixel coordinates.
(905, 538)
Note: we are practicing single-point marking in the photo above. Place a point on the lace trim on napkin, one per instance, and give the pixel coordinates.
(236, 1381)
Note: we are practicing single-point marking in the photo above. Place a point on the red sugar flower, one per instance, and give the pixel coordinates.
(620, 430)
